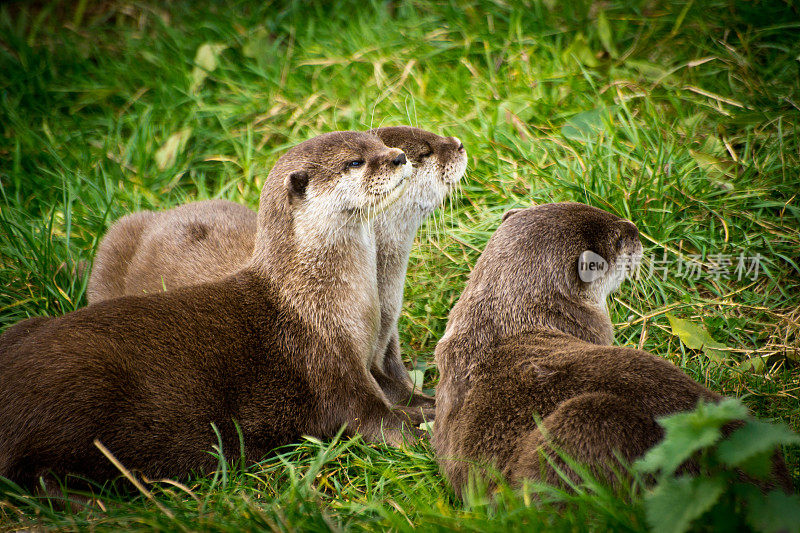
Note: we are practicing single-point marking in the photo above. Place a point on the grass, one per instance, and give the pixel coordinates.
(682, 116)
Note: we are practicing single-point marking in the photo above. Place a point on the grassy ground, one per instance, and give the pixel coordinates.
(682, 116)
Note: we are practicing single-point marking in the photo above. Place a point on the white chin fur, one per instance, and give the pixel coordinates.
(349, 201)
(432, 184)
(624, 266)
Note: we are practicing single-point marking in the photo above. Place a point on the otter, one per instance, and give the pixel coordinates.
(151, 251)
(203, 241)
(276, 350)
(439, 163)
(529, 337)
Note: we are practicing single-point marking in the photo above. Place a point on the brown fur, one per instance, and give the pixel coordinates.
(271, 347)
(439, 163)
(166, 251)
(529, 338)
(149, 252)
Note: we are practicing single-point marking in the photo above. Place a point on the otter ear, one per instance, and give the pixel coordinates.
(297, 183)
(511, 212)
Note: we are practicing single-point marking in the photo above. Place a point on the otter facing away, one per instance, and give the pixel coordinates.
(280, 348)
(150, 251)
(528, 337)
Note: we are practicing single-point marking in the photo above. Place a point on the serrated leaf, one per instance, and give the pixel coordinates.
(757, 466)
(417, 377)
(754, 438)
(168, 153)
(774, 512)
(205, 61)
(604, 32)
(685, 433)
(675, 503)
(697, 338)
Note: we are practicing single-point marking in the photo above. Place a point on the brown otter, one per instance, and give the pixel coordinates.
(150, 251)
(439, 163)
(529, 337)
(279, 348)
(203, 241)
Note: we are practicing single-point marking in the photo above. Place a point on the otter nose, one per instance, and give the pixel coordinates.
(459, 144)
(399, 160)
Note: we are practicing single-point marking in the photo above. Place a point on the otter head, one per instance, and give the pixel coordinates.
(439, 163)
(586, 252)
(341, 174)
(550, 266)
(327, 184)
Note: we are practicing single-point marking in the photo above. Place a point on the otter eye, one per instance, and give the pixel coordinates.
(355, 163)
(619, 243)
(427, 153)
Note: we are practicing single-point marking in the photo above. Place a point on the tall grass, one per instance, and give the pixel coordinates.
(682, 116)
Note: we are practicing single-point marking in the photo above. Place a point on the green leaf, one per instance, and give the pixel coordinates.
(417, 377)
(774, 512)
(687, 432)
(651, 71)
(716, 168)
(580, 50)
(257, 43)
(205, 61)
(675, 503)
(758, 466)
(587, 125)
(422, 364)
(168, 153)
(697, 338)
(755, 363)
(754, 438)
(518, 106)
(427, 426)
(604, 32)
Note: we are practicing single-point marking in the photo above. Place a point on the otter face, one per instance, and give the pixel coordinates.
(345, 175)
(624, 256)
(439, 163)
(570, 248)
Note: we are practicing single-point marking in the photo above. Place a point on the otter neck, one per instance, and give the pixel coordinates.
(326, 275)
(398, 224)
(395, 230)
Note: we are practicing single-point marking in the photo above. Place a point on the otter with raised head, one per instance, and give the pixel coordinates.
(529, 336)
(439, 163)
(203, 241)
(279, 349)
